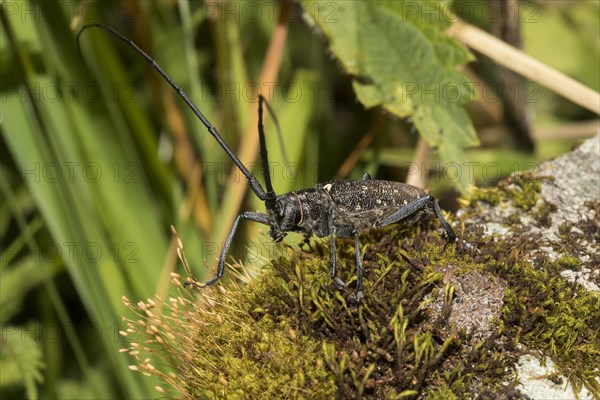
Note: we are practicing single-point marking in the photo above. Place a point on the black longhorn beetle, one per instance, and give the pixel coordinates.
(340, 208)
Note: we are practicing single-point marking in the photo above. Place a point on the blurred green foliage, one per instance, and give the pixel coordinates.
(98, 159)
(400, 58)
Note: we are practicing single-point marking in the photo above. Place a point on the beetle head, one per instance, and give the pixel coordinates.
(285, 216)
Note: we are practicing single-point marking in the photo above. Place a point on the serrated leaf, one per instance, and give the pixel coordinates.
(401, 59)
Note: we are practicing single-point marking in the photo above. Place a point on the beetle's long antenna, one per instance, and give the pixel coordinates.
(264, 156)
(252, 181)
(278, 128)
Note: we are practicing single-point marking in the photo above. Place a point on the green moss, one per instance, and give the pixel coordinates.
(491, 196)
(514, 219)
(564, 229)
(442, 392)
(525, 194)
(565, 261)
(555, 316)
(247, 357)
(543, 214)
(291, 333)
(386, 347)
(522, 189)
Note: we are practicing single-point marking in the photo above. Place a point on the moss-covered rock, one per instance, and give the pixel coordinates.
(438, 321)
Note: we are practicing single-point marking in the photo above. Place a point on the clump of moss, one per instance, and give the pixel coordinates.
(543, 214)
(525, 192)
(565, 261)
(553, 315)
(522, 189)
(225, 345)
(490, 196)
(581, 239)
(291, 333)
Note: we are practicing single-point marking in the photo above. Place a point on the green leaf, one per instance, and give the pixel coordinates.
(401, 59)
(16, 283)
(21, 359)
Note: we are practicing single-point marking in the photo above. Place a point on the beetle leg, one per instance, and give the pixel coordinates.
(253, 216)
(415, 206)
(406, 211)
(449, 232)
(359, 269)
(332, 252)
